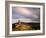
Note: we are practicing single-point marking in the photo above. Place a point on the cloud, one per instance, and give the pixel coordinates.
(25, 13)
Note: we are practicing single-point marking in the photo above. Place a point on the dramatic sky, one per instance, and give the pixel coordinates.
(25, 13)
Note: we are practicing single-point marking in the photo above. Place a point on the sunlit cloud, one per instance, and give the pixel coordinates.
(23, 11)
